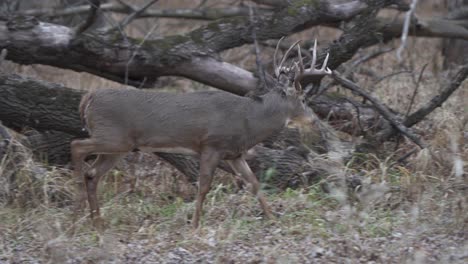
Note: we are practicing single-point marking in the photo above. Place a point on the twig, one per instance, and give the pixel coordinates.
(260, 68)
(203, 13)
(91, 17)
(407, 155)
(127, 6)
(354, 64)
(135, 14)
(382, 109)
(415, 92)
(371, 56)
(358, 113)
(135, 53)
(391, 75)
(404, 35)
(439, 99)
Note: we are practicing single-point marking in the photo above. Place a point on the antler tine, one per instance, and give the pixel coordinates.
(314, 54)
(297, 82)
(310, 74)
(283, 59)
(285, 55)
(275, 62)
(324, 65)
(299, 55)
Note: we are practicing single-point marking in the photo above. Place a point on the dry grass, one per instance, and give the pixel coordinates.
(414, 213)
(399, 216)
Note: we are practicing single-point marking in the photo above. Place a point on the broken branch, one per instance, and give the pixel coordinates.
(382, 109)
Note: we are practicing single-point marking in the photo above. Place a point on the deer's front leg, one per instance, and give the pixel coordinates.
(241, 167)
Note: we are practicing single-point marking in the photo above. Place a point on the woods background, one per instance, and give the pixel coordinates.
(381, 176)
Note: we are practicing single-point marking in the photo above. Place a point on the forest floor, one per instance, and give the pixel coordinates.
(401, 218)
(413, 212)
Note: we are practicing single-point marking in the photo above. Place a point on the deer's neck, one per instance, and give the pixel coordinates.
(268, 117)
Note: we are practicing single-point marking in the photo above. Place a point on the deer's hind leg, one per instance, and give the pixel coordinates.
(88, 181)
(102, 164)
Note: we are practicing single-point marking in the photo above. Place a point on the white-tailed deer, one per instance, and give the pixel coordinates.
(214, 125)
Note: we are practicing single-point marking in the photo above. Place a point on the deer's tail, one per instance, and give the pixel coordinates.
(84, 104)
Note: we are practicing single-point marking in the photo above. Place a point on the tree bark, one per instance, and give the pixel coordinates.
(114, 56)
(454, 50)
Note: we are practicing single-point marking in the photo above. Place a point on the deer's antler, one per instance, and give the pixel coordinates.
(279, 68)
(301, 73)
(310, 73)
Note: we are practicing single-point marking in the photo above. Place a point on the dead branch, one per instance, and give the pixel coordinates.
(274, 3)
(379, 79)
(370, 56)
(94, 6)
(187, 13)
(459, 13)
(194, 57)
(383, 110)
(339, 112)
(416, 88)
(425, 27)
(406, 24)
(439, 99)
(136, 14)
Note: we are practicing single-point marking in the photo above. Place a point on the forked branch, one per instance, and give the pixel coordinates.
(439, 99)
(91, 17)
(135, 14)
(383, 110)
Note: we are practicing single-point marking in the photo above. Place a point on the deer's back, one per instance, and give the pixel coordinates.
(165, 119)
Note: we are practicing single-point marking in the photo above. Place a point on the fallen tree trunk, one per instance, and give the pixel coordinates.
(117, 57)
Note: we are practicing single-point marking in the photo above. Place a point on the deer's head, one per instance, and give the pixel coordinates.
(293, 77)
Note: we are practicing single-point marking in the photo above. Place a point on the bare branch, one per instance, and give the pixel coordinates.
(458, 14)
(91, 17)
(416, 88)
(371, 56)
(189, 55)
(391, 75)
(274, 3)
(439, 99)
(150, 32)
(258, 61)
(125, 8)
(383, 110)
(404, 35)
(420, 27)
(135, 14)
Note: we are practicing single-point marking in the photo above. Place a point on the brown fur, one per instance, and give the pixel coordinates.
(86, 100)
